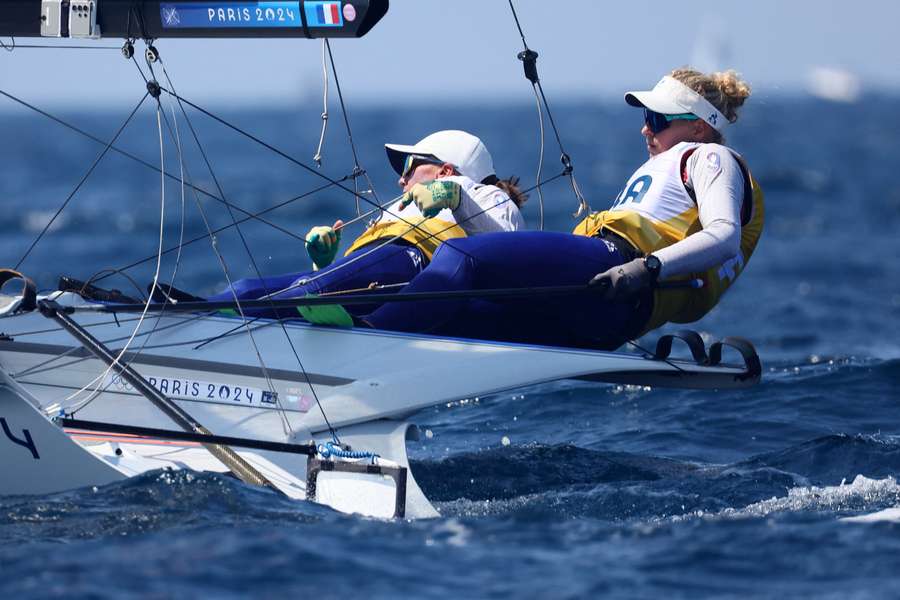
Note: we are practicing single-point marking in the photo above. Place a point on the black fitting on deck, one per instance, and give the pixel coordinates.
(567, 163)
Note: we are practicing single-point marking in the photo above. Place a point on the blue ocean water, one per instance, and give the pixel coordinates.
(614, 490)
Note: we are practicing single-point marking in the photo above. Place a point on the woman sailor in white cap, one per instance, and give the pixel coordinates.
(692, 211)
(450, 191)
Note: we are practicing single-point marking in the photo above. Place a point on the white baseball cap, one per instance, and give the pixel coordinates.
(671, 97)
(459, 148)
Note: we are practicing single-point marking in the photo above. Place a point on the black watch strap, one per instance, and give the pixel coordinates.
(653, 265)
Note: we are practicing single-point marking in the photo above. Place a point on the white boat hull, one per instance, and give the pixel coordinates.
(364, 381)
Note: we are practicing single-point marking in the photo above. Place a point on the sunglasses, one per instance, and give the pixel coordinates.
(657, 122)
(414, 161)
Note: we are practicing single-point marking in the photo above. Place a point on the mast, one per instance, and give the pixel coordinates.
(133, 19)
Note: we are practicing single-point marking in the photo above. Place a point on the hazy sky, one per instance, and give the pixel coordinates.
(425, 50)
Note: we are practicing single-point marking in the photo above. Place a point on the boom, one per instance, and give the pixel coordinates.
(190, 18)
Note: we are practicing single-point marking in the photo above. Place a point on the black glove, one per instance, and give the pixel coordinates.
(625, 281)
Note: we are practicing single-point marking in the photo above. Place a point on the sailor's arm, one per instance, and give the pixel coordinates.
(715, 177)
(718, 185)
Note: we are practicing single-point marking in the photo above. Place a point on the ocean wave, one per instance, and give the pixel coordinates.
(146, 503)
(516, 471)
(862, 494)
(833, 458)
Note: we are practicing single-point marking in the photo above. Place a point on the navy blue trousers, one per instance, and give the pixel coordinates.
(387, 264)
(519, 260)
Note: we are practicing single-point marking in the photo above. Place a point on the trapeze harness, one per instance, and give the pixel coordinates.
(656, 210)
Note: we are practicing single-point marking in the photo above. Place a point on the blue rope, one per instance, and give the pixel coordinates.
(328, 449)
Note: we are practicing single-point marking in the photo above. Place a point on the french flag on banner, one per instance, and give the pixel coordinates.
(324, 14)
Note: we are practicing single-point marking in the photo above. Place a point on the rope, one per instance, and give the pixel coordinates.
(318, 155)
(161, 314)
(221, 259)
(328, 449)
(529, 62)
(162, 214)
(250, 216)
(80, 183)
(297, 162)
(357, 169)
(289, 428)
(540, 189)
(155, 168)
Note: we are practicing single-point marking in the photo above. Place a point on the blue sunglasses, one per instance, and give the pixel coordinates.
(657, 122)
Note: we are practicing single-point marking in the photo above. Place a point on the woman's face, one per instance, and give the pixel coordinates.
(422, 172)
(678, 131)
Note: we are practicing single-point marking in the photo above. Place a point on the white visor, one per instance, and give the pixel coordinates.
(671, 97)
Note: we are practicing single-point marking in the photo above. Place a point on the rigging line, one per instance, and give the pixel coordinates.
(156, 327)
(294, 160)
(289, 430)
(356, 165)
(225, 334)
(81, 182)
(11, 47)
(155, 168)
(286, 422)
(174, 276)
(116, 321)
(35, 369)
(179, 322)
(540, 123)
(518, 25)
(250, 217)
(372, 211)
(231, 214)
(540, 162)
(318, 156)
(215, 179)
(162, 216)
(529, 58)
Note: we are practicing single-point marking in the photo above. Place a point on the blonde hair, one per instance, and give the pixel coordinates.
(725, 89)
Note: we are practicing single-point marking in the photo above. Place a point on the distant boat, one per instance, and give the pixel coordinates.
(834, 84)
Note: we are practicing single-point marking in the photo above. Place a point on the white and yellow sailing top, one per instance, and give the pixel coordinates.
(666, 201)
(482, 209)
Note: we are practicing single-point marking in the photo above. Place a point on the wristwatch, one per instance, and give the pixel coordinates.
(653, 266)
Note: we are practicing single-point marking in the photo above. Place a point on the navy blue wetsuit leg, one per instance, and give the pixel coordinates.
(387, 264)
(516, 260)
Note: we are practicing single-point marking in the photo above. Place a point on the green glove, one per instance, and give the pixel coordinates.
(432, 197)
(322, 245)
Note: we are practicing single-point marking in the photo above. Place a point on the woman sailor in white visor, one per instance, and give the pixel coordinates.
(692, 211)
